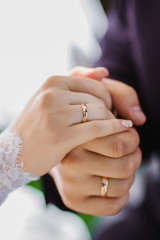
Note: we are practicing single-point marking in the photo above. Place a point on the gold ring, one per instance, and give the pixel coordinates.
(104, 186)
(84, 113)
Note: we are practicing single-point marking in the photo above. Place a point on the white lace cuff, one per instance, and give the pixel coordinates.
(12, 174)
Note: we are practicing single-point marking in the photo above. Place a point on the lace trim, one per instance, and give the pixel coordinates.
(12, 172)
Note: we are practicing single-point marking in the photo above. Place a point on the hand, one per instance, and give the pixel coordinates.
(50, 124)
(125, 101)
(98, 73)
(78, 176)
(124, 97)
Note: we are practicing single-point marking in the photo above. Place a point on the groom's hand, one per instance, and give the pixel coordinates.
(124, 98)
(79, 176)
(125, 101)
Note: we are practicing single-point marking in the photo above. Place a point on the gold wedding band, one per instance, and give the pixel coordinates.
(104, 186)
(84, 113)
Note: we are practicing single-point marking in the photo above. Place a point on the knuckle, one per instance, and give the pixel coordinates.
(118, 147)
(48, 98)
(118, 204)
(125, 186)
(138, 157)
(115, 208)
(106, 96)
(132, 163)
(51, 81)
(135, 136)
(129, 168)
(44, 99)
(100, 89)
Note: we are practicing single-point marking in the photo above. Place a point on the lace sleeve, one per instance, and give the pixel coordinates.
(12, 173)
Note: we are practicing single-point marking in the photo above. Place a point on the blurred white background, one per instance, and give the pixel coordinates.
(24, 216)
(40, 38)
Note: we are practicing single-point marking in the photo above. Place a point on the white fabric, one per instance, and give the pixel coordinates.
(12, 174)
(24, 216)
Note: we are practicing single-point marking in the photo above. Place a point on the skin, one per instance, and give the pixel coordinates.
(51, 123)
(78, 176)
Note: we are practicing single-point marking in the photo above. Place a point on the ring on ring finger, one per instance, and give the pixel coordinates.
(104, 186)
(84, 113)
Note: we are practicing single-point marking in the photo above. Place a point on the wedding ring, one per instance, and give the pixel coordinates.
(104, 186)
(84, 113)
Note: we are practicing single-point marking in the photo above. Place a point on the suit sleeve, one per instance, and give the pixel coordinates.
(118, 59)
(116, 56)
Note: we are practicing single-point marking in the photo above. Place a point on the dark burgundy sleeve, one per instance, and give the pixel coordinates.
(117, 57)
(115, 46)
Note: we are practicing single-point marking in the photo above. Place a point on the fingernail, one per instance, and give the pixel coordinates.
(127, 123)
(103, 70)
(138, 113)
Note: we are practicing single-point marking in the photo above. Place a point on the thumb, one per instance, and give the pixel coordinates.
(125, 101)
(95, 73)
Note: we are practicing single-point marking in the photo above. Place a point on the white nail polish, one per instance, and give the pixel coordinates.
(127, 123)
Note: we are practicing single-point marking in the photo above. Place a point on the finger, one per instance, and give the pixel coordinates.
(118, 168)
(82, 85)
(116, 145)
(59, 98)
(85, 132)
(125, 101)
(94, 112)
(94, 73)
(98, 206)
(91, 186)
(98, 165)
(79, 98)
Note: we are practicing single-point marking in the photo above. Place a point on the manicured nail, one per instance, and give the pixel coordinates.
(138, 113)
(103, 70)
(127, 123)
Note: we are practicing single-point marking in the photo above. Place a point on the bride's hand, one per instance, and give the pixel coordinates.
(51, 123)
